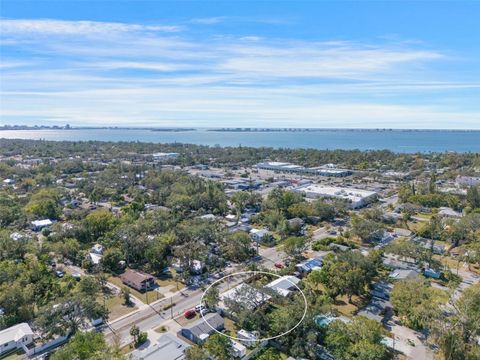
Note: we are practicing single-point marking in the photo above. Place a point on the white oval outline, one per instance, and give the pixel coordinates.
(255, 272)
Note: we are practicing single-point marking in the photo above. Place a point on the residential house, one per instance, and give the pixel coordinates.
(97, 249)
(38, 225)
(259, 235)
(382, 290)
(449, 212)
(16, 236)
(284, 285)
(247, 338)
(404, 274)
(378, 310)
(467, 180)
(432, 273)
(245, 295)
(15, 337)
(309, 265)
(210, 217)
(338, 247)
(239, 350)
(199, 331)
(168, 346)
(137, 280)
(395, 263)
(9, 182)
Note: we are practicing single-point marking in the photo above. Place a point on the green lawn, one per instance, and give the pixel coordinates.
(116, 307)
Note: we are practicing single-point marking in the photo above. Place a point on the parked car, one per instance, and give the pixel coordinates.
(199, 308)
(279, 265)
(77, 276)
(59, 273)
(189, 314)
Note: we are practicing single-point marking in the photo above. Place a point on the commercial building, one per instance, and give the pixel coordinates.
(324, 170)
(356, 198)
(162, 156)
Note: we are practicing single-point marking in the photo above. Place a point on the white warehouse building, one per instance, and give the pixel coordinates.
(355, 197)
(162, 156)
(324, 170)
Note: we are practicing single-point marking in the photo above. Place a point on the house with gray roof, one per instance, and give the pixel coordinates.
(199, 331)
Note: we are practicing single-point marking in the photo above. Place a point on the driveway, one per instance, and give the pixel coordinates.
(270, 256)
(408, 342)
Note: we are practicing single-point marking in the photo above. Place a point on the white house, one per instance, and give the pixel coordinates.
(247, 338)
(162, 156)
(449, 212)
(245, 295)
(95, 258)
(16, 236)
(259, 234)
(168, 346)
(15, 337)
(239, 350)
(97, 249)
(38, 225)
(283, 285)
(8, 182)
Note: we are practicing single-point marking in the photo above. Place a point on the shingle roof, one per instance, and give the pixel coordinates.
(134, 276)
(15, 333)
(201, 327)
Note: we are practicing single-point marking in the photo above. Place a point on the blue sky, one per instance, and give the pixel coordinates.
(241, 63)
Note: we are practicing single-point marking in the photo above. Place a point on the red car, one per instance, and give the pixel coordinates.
(279, 265)
(189, 314)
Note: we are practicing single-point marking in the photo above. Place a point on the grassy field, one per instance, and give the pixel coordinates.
(115, 306)
(230, 326)
(344, 308)
(168, 278)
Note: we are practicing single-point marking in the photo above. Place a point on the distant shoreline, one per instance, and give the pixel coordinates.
(241, 130)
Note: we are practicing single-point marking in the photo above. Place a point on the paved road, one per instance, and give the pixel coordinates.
(404, 336)
(270, 256)
(152, 316)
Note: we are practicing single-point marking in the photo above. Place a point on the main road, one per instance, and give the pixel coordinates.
(151, 316)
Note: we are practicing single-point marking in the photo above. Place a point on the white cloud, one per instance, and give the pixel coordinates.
(209, 20)
(141, 74)
(62, 27)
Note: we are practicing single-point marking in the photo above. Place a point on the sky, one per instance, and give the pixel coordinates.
(317, 64)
